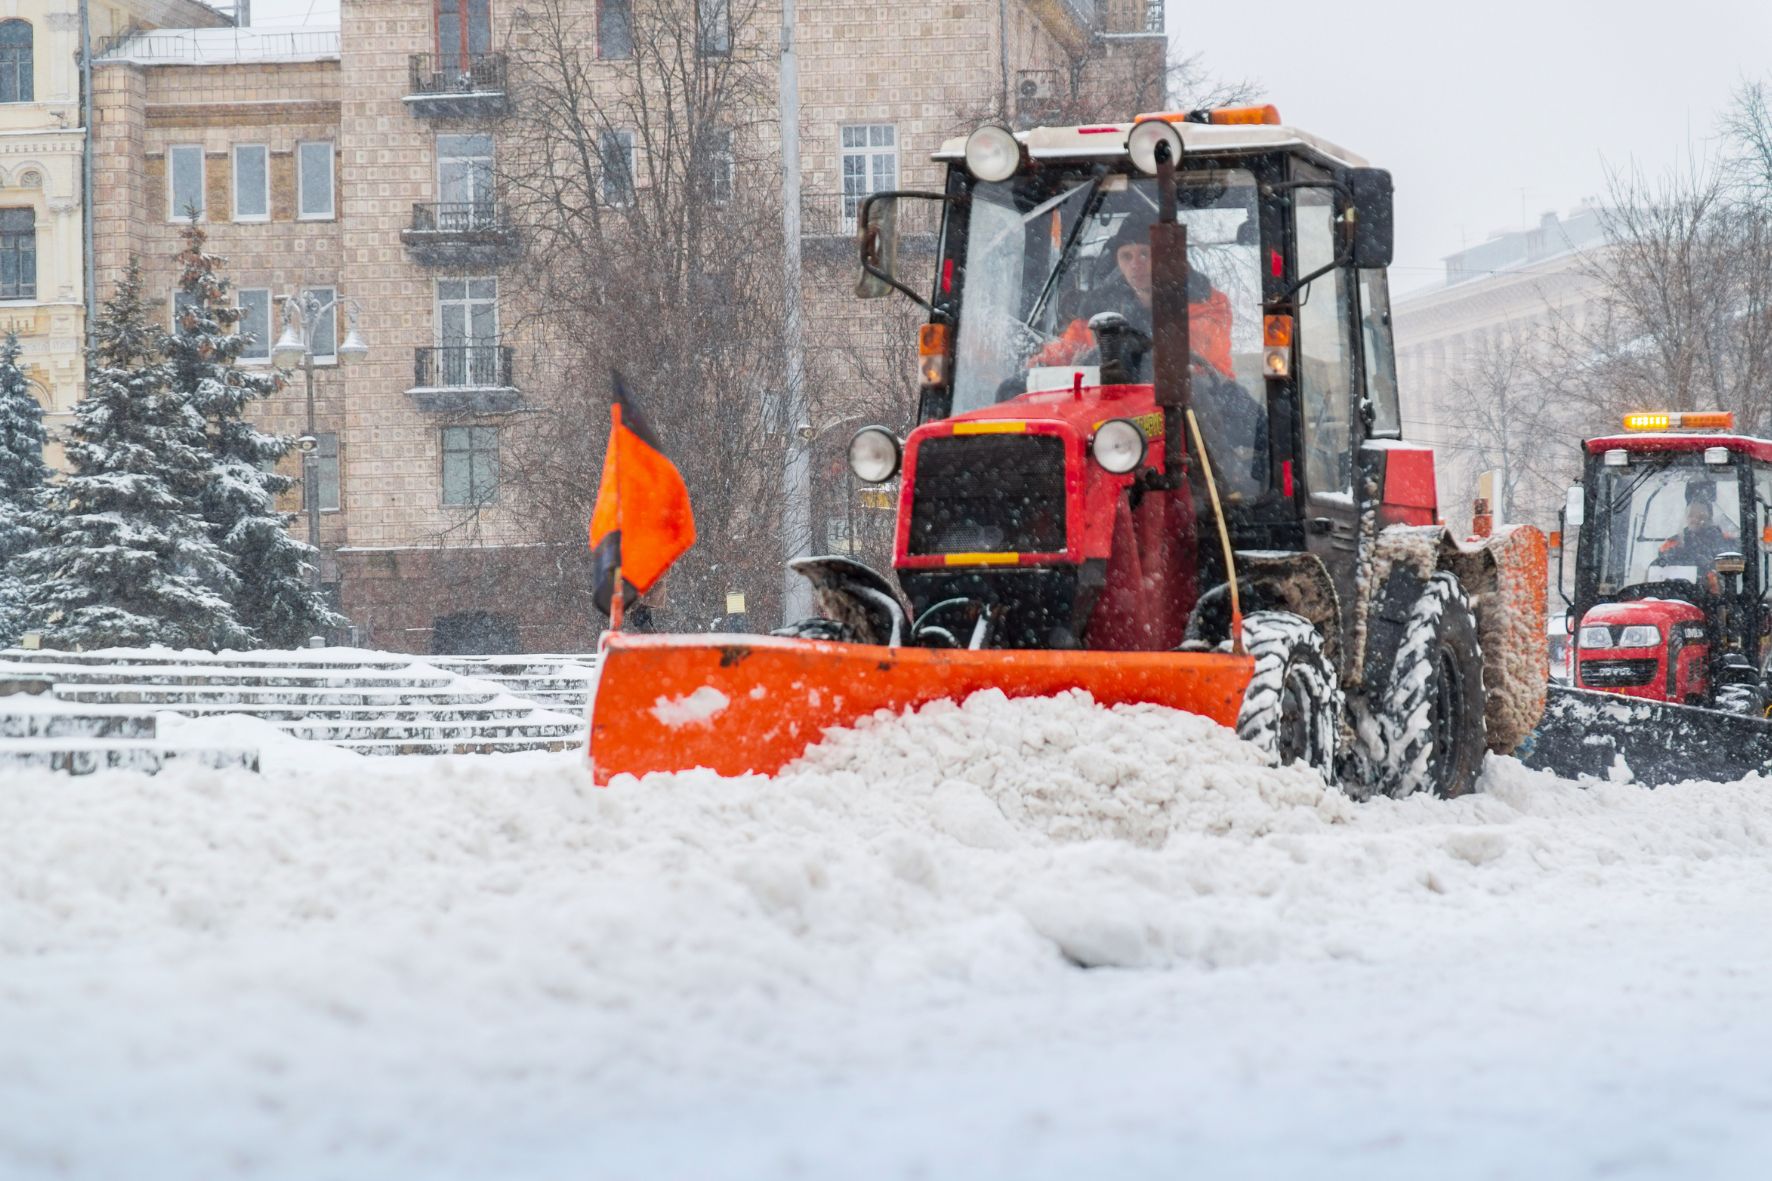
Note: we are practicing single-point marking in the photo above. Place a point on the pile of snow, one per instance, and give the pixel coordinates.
(486, 966)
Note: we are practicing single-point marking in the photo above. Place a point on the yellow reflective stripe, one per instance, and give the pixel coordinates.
(990, 428)
(981, 559)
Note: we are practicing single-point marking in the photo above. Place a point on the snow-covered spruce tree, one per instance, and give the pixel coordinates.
(275, 596)
(22, 476)
(127, 558)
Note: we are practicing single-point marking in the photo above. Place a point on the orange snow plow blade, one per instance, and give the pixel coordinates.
(735, 704)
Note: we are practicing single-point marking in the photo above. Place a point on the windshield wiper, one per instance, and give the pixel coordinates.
(1090, 204)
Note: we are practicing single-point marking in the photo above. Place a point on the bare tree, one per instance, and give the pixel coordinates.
(638, 169)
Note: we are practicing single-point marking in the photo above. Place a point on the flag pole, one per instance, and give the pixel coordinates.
(615, 603)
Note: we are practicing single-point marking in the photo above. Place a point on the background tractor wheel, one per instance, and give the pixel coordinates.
(1432, 712)
(1292, 708)
(818, 628)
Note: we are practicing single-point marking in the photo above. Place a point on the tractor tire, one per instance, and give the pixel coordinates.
(1292, 708)
(818, 628)
(1432, 710)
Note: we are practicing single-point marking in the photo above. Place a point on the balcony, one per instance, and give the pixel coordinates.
(456, 87)
(471, 378)
(828, 220)
(461, 234)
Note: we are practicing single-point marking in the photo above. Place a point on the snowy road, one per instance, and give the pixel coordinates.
(868, 967)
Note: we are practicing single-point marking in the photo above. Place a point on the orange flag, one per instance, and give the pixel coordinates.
(642, 522)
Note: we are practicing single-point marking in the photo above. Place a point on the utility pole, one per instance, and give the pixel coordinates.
(796, 516)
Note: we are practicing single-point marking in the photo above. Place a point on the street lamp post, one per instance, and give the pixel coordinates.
(301, 317)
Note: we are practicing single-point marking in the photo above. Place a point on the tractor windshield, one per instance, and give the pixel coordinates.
(1665, 522)
(1047, 250)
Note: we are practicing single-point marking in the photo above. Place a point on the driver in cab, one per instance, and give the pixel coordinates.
(1127, 290)
(1699, 543)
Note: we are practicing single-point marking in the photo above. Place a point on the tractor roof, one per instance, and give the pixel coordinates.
(1107, 141)
(1759, 449)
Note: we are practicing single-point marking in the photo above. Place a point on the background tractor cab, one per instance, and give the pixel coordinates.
(1671, 574)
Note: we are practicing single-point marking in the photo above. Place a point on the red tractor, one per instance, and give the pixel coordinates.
(1158, 456)
(1672, 576)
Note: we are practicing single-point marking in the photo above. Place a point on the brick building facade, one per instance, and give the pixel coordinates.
(356, 164)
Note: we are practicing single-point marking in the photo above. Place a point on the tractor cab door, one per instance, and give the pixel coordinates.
(1325, 380)
(1757, 547)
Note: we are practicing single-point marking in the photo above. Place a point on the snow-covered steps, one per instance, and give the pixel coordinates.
(83, 756)
(363, 701)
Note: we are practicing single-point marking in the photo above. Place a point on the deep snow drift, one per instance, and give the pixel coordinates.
(869, 966)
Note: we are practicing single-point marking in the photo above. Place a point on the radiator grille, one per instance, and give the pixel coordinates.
(1609, 673)
(989, 494)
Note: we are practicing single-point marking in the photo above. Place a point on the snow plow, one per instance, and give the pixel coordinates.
(1158, 458)
(1671, 623)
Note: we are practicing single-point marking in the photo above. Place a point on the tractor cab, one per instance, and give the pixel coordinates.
(1674, 564)
(1051, 481)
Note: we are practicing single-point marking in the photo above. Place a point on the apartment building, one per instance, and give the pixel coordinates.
(1517, 287)
(354, 168)
(42, 146)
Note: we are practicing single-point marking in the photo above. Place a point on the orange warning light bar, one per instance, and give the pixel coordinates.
(1691, 420)
(1268, 114)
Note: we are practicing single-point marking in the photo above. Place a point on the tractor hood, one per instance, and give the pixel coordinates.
(1664, 613)
(1013, 485)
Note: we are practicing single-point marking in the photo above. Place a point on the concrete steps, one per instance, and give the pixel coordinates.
(85, 711)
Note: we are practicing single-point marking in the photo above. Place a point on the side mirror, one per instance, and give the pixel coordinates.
(1575, 507)
(876, 233)
(1374, 226)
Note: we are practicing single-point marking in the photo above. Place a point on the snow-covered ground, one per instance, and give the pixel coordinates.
(869, 966)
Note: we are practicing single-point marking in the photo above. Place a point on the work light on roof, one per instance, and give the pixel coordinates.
(993, 153)
(1142, 143)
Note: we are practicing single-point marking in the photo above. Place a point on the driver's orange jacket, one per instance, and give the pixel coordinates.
(1209, 333)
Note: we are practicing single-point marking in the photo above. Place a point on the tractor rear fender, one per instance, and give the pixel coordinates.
(1505, 576)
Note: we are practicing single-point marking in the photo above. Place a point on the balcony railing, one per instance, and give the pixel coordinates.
(454, 85)
(832, 215)
(477, 365)
(461, 233)
(475, 377)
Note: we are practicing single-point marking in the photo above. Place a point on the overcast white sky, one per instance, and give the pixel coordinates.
(1480, 110)
(1487, 113)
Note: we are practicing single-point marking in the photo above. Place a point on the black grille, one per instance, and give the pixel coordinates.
(989, 494)
(1603, 673)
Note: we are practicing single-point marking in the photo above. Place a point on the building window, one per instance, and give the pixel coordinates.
(617, 157)
(255, 323)
(184, 182)
(325, 475)
(252, 190)
(722, 166)
(470, 465)
(870, 165)
(615, 28)
(464, 182)
(464, 32)
(18, 254)
(314, 167)
(17, 84)
(713, 23)
(467, 333)
(324, 332)
(181, 302)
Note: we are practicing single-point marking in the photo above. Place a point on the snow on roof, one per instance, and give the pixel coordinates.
(1109, 139)
(227, 46)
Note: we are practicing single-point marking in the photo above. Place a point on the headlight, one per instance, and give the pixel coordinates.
(1118, 446)
(1596, 637)
(1640, 635)
(873, 455)
(993, 153)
